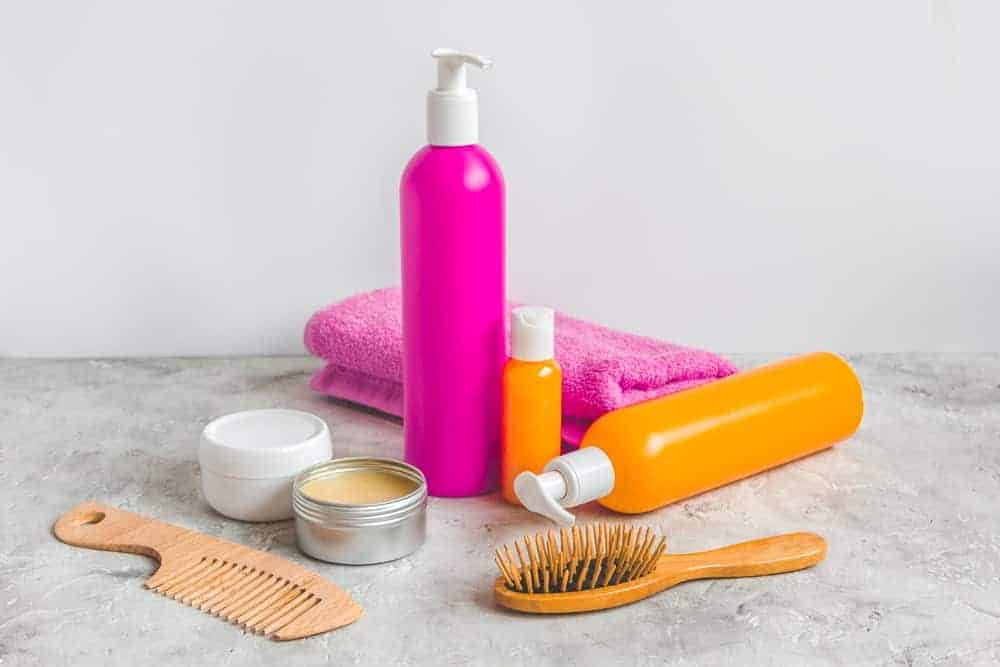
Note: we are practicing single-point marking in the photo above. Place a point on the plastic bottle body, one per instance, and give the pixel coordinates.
(531, 422)
(681, 445)
(454, 347)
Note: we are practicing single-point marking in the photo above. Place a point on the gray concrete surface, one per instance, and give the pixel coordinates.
(909, 506)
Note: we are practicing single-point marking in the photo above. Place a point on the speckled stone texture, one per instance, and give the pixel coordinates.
(909, 506)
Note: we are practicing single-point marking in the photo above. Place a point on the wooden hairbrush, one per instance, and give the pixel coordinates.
(260, 592)
(602, 566)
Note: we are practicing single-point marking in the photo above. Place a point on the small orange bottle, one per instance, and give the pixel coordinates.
(532, 398)
(651, 454)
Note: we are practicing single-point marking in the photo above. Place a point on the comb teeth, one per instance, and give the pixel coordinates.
(258, 601)
(595, 556)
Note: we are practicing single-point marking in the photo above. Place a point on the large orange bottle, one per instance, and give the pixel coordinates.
(532, 398)
(655, 453)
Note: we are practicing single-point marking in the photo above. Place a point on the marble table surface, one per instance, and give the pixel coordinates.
(909, 507)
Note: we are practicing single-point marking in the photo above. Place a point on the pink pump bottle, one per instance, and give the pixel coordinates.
(454, 340)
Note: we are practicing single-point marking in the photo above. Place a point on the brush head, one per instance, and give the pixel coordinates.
(579, 558)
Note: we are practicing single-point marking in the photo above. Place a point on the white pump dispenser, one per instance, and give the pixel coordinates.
(568, 480)
(453, 109)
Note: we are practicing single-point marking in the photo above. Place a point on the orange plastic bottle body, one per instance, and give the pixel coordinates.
(532, 420)
(680, 445)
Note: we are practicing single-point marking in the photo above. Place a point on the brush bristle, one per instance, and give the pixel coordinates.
(580, 559)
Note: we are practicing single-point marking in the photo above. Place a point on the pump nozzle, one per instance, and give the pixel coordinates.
(452, 108)
(451, 67)
(568, 480)
(541, 494)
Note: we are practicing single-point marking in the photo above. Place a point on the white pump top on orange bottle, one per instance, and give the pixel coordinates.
(567, 481)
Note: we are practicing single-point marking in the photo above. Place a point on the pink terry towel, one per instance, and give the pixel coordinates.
(362, 341)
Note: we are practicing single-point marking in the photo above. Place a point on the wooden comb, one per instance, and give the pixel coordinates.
(602, 566)
(257, 591)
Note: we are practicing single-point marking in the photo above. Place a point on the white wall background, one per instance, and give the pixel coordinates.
(197, 177)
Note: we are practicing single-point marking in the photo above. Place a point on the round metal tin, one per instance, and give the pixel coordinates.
(360, 534)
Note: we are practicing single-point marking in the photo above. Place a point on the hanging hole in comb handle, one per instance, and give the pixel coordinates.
(90, 518)
(98, 526)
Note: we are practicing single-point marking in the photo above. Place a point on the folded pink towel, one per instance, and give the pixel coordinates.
(361, 339)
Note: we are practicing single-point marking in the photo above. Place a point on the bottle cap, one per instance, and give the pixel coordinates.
(568, 480)
(453, 109)
(532, 333)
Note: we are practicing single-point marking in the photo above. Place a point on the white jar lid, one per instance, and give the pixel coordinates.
(264, 444)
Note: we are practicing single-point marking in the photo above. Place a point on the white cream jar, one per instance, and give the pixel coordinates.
(249, 460)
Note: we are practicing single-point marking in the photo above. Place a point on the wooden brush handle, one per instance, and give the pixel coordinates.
(97, 526)
(770, 555)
